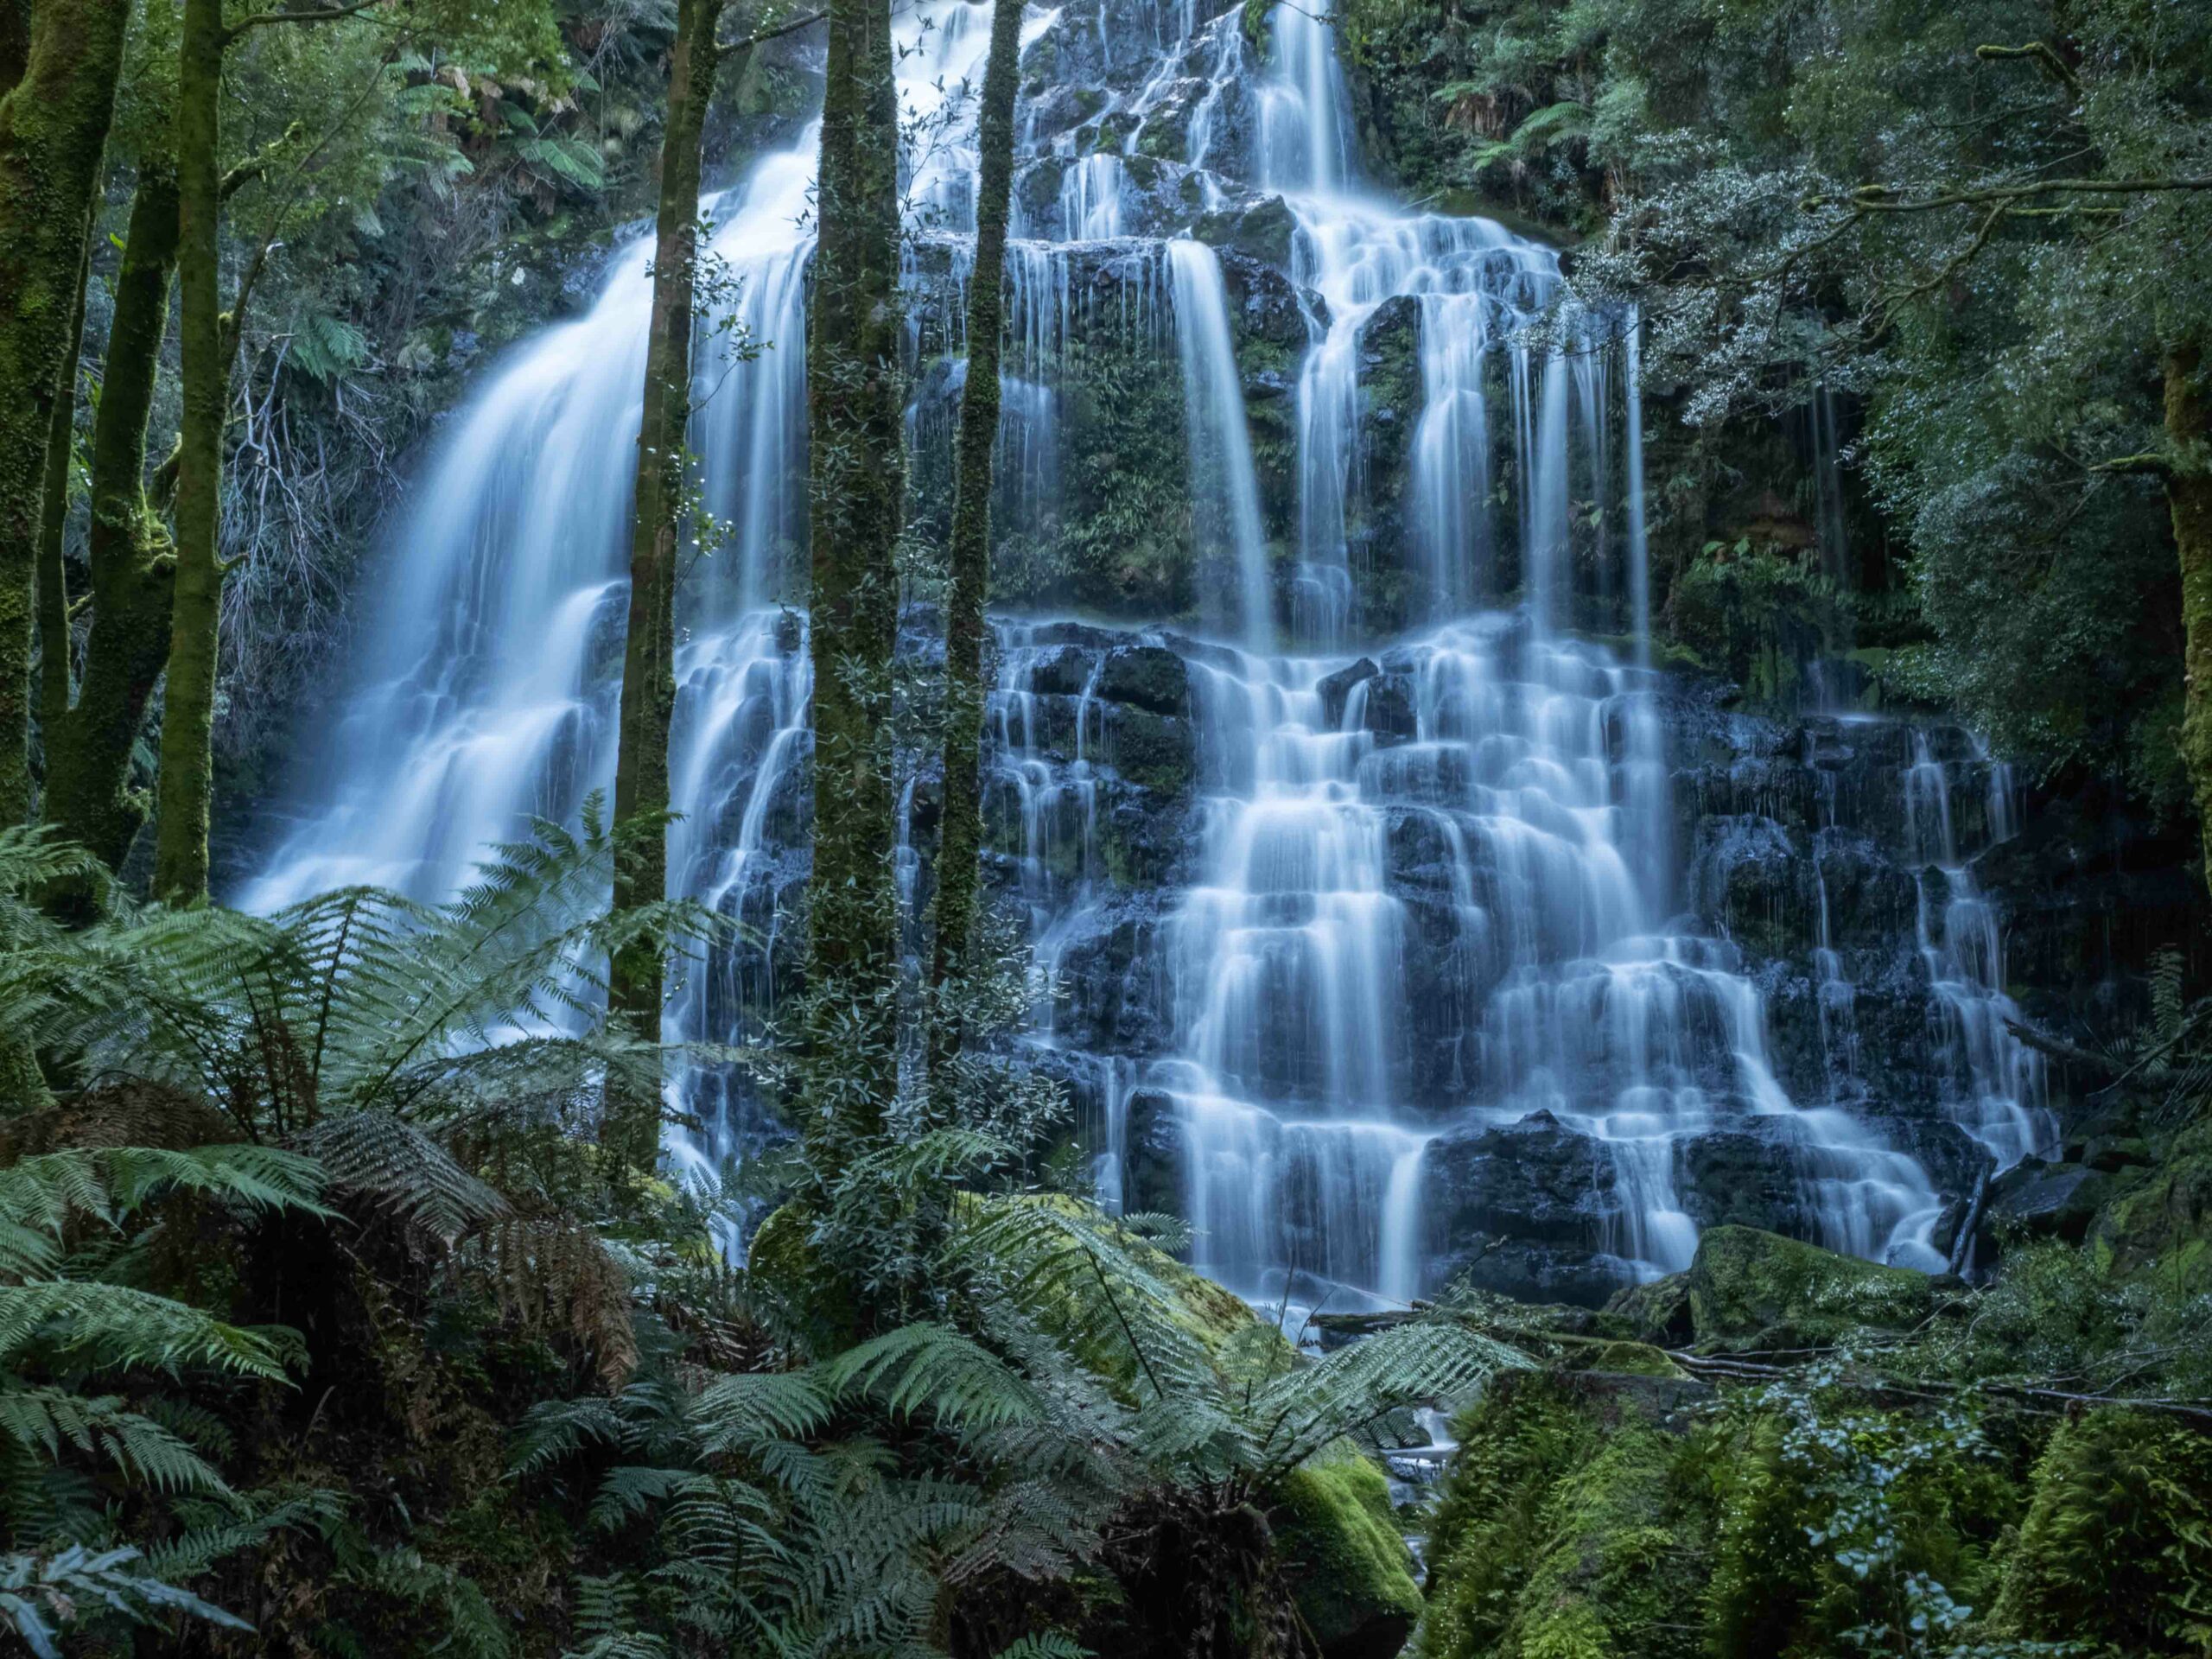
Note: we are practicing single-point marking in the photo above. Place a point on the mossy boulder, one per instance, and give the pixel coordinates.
(2165, 1220)
(785, 1271)
(1346, 1559)
(1745, 1287)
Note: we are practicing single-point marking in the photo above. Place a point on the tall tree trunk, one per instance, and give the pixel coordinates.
(188, 700)
(54, 126)
(88, 748)
(857, 482)
(53, 579)
(961, 836)
(2188, 496)
(656, 536)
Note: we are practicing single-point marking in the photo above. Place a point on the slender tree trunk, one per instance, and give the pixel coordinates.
(858, 480)
(656, 539)
(2188, 496)
(53, 534)
(88, 748)
(53, 126)
(188, 700)
(961, 836)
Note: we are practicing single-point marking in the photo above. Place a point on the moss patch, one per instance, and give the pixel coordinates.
(2165, 1222)
(1348, 1563)
(1749, 1286)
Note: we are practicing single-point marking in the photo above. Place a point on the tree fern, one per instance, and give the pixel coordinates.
(1311, 1406)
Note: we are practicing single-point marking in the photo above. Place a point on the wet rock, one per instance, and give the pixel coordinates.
(1153, 1171)
(1335, 689)
(1154, 751)
(1259, 230)
(1524, 1209)
(1386, 708)
(2047, 1201)
(1149, 677)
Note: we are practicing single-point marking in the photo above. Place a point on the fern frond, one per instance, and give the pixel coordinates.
(553, 1272)
(746, 1412)
(629, 1491)
(395, 1166)
(1307, 1409)
(216, 1536)
(932, 1366)
(554, 1431)
(258, 1177)
(45, 1421)
(104, 1326)
(1048, 1644)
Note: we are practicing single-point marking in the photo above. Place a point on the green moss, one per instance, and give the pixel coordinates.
(1157, 751)
(1347, 1562)
(1567, 1531)
(2164, 1224)
(1745, 1285)
(2116, 1549)
(784, 1269)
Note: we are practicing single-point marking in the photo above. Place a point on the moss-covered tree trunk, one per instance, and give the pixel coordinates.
(857, 481)
(656, 537)
(961, 836)
(2189, 496)
(88, 748)
(54, 124)
(188, 699)
(53, 580)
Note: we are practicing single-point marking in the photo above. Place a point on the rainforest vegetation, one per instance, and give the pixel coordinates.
(936, 828)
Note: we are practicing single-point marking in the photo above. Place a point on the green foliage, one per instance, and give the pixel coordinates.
(1755, 611)
(44, 1598)
(2117, 1543)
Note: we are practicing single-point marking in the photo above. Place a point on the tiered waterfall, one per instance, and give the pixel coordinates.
(1348, 831)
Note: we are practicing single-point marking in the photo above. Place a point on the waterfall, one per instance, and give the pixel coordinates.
(1225, 491)
(1319, 905)
(1997, 1080)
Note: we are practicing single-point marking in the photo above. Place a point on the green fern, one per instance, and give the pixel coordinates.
(45, 1597)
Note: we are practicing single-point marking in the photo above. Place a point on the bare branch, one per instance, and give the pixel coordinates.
(2036, 52)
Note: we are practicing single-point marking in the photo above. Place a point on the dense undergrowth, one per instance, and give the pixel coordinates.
(1790, 1454)
(328, 1327)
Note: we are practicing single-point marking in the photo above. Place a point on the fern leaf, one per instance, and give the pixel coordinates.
(394, 1165)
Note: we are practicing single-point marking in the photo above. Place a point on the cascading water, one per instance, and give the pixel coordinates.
(1411, 900)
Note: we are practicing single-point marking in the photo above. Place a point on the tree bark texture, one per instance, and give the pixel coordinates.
(88, 746)
(857, 483)
(53, 126)
(961, 835)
